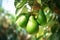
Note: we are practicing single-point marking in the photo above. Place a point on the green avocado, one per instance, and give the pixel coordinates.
(32, 25)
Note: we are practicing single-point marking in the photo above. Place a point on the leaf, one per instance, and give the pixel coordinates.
(41, 31)
(16, 1)
(30, 2)
(49, 14)
(24, 10)
(43, 2)
(39, 1)
(20, 3)
(54, 36)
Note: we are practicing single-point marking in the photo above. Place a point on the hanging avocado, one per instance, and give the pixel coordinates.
(22, 20)
(32, 25)
(41, 18)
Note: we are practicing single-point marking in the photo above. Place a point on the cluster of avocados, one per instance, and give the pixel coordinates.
(30, 22)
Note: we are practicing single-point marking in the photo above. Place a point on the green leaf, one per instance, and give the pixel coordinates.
(54, 36)
(43, 2)
(16, 1)
(24, 10)
(20, 3)
(49, 14)
(40, 32)
(30, 2)
(39, 1)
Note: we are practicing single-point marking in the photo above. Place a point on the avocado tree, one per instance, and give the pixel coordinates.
(39, 18)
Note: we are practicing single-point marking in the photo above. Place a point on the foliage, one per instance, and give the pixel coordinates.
(45, 15)
(34, 20)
